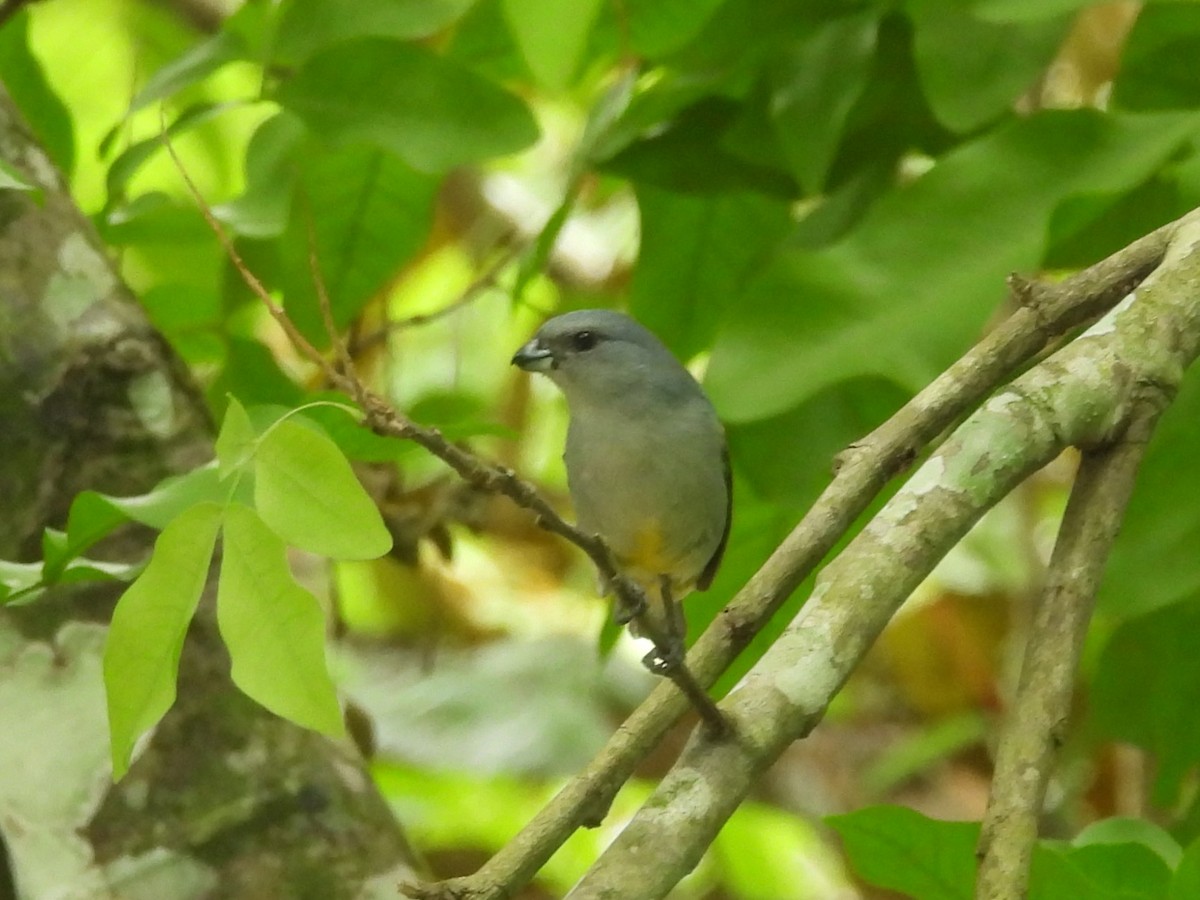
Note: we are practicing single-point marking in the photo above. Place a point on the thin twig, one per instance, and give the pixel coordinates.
(340, 351)
(1036, 724)
(487, 279)
(256, 287)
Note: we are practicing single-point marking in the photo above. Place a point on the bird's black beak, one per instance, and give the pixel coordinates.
(534, 357)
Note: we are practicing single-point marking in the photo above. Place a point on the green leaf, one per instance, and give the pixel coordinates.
(169, 498)
(690, 157)
(1157, 70)
(1145, 688)
(25, 82)
(1025, 10)
(370, 213)
(695, 255)
(552, 35)
(1103, 871)
(657, 27)
(902, 850)
(274, 629)
(141, 654)
(93, 515)
(271, 167)
(1185, 884)
(902, 302)
(308, 26)
(428, 110)
(1128, 830)
(235, 442)
(305, 490)
(973, 70)
(813, 89)
(192, 67)
(18, 579)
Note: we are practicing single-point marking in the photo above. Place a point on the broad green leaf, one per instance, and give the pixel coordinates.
(307, 26)
(694, 257)
(235, 442)
(1153, 563)
(1146, 686)
(552, 35)
(306, 492)
(1104, 871)
(657, 27)
(274, 629)
(369, 213)
(141, 654)
(1157, 64)
(25, 82)
(973, 70)
(813, 88)
(1185, 884)
(689, 156)
(902, 850)
(169, 498)
(902, 300)
(271, 168)
(428, 110)
(93, 515)
(1024, 10)
(1128, 830)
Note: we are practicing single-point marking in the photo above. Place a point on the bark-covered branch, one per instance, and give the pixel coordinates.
(1036, 723)
(1085, 395)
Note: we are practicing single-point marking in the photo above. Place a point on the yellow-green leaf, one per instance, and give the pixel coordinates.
(141, 654)
(274, 629)
(306, 492)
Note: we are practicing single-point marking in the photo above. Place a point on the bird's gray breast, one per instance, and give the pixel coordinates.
(652, 483)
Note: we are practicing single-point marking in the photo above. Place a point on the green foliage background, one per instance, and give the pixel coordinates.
(824, 197)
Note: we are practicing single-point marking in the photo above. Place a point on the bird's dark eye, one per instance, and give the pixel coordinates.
(583, 340)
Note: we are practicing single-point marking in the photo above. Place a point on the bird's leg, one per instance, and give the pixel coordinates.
(628, 605)
(669, 653)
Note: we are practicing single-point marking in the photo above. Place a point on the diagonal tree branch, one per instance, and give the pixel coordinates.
(1046, 313)
(1087, 394)
(1036, 723)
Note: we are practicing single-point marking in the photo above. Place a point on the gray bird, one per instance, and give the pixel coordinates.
(647, 464)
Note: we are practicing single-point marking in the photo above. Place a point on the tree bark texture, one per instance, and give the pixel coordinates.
(225, 800)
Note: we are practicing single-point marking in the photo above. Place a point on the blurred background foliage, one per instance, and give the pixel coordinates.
(816, 204)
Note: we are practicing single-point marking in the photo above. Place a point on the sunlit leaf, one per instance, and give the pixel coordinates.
(308, 26)
(235, 442)
(274, 629)
(141, 654)
(305, 490)
(552, 35)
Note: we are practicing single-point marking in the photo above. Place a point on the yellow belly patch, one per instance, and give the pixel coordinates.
(648, 554)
